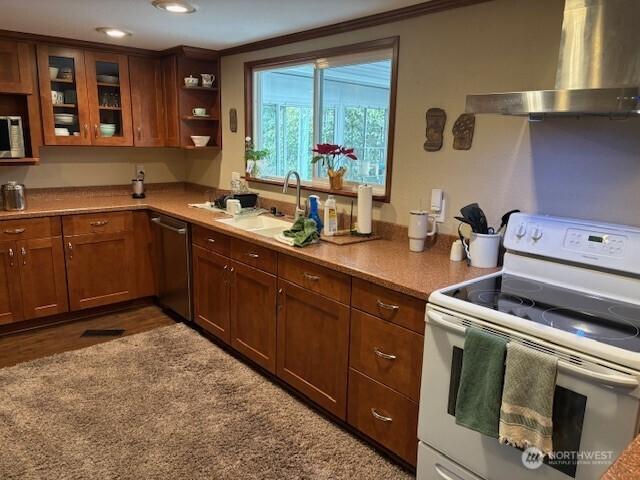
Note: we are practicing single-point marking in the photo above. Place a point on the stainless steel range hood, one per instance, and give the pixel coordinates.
(598, 67)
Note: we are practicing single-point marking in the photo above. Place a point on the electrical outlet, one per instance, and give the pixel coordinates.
(140, 172)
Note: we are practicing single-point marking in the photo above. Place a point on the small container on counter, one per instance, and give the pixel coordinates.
(14, 197)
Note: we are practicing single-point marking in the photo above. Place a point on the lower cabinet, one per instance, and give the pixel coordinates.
(99, 269)
(211, 292)
(253, 314)
(32, 275)
(313, 346)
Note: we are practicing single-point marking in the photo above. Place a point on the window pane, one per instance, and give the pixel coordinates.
(360, 96)
(283, 119)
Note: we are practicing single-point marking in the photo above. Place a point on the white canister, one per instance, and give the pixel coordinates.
(483, 249)
(419, 229)
(233, 206)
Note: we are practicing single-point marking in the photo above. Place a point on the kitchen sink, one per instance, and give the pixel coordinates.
(261, 225)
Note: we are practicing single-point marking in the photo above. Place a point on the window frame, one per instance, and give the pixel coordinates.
(392, 43)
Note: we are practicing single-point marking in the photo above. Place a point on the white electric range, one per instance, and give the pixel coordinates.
(569, 288)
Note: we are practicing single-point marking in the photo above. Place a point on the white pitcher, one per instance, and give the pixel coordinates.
(208, 79)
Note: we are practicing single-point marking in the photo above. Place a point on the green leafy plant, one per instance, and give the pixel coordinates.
(253, 157)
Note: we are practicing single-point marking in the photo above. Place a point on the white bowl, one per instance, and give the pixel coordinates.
(61, 132)
(200, 140)
(53, 72)
(64, 118)
(111, 79)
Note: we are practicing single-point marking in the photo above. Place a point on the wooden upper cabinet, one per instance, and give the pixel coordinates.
(42, 277)
(171, 87)
(109, 97)
(62, 70)
(10, 295)
(313, 346)
(147, 105)
(15, 67)
(253, 314)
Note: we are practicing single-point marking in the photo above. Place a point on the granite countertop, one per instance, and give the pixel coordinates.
(385, 262)
(627, 466)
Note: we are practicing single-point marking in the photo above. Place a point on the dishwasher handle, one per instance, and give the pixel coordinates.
(158, 221)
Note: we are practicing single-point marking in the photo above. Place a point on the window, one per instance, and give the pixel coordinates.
(344, 96)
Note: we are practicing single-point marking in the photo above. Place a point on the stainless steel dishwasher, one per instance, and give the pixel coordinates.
(174, 265)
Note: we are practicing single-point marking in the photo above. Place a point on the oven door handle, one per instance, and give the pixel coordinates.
(620, 380)
(441, 321)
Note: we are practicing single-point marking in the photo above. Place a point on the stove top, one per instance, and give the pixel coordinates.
(601, 319)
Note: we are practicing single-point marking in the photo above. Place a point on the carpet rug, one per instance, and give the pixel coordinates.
(166, 404)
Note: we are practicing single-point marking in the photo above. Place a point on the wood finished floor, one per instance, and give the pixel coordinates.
(25, 346)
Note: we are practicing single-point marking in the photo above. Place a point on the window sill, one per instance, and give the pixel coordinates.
(317, 188)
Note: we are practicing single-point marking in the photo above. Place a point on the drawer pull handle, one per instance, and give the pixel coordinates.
(313, 278)
(386, 356)
(14, 231)
(253, 255)
(11, 264)
(382, 418)
(23, 252)
(387, 306)
(99, 223)
(211, 240)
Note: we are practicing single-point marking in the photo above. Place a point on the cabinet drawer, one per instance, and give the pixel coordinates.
(384, 415)
(211, 240)
(327, 282)
(388, 304)
(254, 255)
(30, 228)
(109, 222)
(387, 353)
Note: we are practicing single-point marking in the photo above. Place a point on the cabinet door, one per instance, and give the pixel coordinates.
(61, 71)
(211, 292)
(10, 295)
(15, 67)
(99, 269)
(313, 346)
(109, 98)
(42, 276)
(147, 107)
(253, 314)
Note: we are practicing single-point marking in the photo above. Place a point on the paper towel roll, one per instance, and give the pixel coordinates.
(365, 207)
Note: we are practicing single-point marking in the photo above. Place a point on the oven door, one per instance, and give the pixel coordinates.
(594, 418)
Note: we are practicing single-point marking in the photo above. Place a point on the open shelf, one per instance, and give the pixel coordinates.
(63, 80)
(200, 89)
(199, 119)
(102, 84)
(64, 105)
(193, 147)
(115, 109)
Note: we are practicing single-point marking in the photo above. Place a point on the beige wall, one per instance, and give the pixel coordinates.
(584, 168)
(89, 166)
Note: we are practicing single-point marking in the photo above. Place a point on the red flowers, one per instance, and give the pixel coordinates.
(331, 154)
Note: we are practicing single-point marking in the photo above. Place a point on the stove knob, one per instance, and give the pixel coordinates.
(522, 230)
(536, 234)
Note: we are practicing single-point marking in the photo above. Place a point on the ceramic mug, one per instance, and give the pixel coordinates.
(190, 81)
(207, 79)
(199, 112)
(483, 249)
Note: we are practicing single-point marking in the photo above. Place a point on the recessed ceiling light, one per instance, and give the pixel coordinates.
(174, 6)
(113, 32)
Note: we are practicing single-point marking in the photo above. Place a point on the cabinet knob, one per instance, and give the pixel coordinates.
(23, 252)
(70, 246)
(11, 255)
(95, 129)
(139, 133)
(86, 131)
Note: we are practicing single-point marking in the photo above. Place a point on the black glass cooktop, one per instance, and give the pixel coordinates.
(600, 319)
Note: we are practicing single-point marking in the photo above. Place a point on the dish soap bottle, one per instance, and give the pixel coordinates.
(314, 205)
(330, 217)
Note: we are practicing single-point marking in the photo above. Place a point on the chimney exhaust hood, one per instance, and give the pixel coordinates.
(598, 67)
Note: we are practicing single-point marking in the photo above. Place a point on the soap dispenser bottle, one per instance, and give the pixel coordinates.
(314, 206)
(330, 217)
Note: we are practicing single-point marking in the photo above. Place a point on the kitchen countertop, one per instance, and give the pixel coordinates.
(384, 262)
(627, 466)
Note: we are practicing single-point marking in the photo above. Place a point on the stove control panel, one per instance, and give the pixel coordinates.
(609, 246)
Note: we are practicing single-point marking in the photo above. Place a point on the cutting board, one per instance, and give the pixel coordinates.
(348, 239)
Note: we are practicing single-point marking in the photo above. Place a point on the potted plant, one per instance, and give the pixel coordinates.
(331, 157)
(253, 157)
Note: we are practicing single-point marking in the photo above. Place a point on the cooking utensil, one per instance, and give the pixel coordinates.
(505, 219)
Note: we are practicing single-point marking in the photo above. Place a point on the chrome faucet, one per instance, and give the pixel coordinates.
(299, 209)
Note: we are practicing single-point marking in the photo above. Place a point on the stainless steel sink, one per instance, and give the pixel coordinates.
(261, 225)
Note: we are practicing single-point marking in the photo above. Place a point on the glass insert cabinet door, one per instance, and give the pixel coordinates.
(63, 98)
(109, 98)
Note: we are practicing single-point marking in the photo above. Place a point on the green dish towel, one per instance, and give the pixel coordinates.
(304, 232)
(480, 391)
(526, 415)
